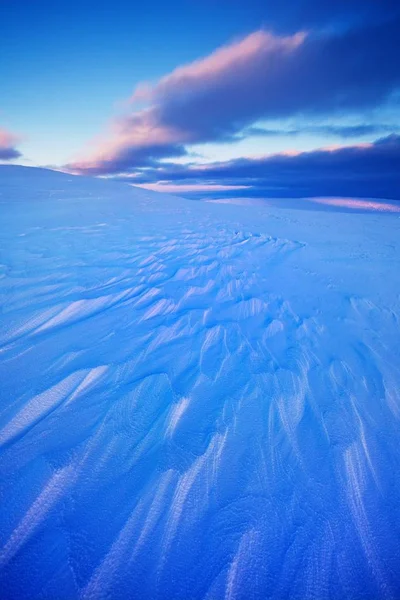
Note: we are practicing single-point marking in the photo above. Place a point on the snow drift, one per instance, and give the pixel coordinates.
(198, 401)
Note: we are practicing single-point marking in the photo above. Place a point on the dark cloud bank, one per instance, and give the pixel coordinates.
(307, 75)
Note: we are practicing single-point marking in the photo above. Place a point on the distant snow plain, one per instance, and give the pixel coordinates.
(199, 400)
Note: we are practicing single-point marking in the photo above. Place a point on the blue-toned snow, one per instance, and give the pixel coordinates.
(198, 400)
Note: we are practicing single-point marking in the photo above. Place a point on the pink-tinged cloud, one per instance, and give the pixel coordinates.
(261, 76)
(8, 143)
(228, 61)
(136, 141)
(145, 136)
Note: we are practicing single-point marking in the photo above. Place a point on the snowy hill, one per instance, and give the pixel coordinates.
(198, 400)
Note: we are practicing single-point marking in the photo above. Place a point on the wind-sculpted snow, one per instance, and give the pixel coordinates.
(198, 401)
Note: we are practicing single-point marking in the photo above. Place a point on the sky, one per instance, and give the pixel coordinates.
(206, 99)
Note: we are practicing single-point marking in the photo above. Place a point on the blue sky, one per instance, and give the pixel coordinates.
(67, 67)
(93, 86)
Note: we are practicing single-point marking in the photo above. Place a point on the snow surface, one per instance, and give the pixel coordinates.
(198, 400)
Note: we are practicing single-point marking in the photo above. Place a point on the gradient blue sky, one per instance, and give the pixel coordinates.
(69, 69)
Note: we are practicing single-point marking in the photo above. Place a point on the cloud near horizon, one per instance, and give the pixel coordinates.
(262, 76)
(364, 170)
(8, 143)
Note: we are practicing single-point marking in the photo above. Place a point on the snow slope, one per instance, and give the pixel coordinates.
(198, 400)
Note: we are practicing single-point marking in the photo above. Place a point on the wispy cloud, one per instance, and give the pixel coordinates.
(342, 131)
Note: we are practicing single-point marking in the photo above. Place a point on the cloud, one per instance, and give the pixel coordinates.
(364, 171)
(341, 12)
(8, 141)
(343, 131)
(121, 158)
(144, 136)
(262, 76)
